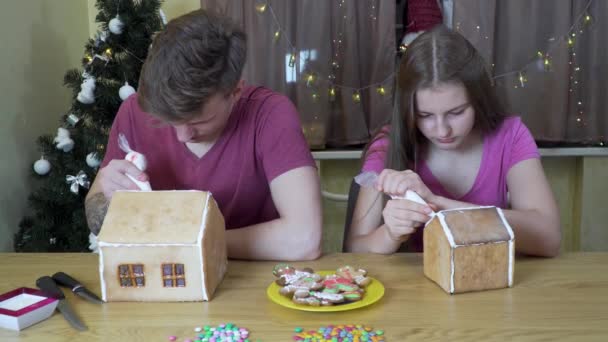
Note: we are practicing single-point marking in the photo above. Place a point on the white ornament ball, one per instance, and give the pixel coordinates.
(92, 160)
(42, 166)
(125, 91)
(115, 25)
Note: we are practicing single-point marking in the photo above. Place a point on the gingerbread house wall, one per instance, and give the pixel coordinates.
(481, 267)
(152, 257)
(437, 255)
(214, 254)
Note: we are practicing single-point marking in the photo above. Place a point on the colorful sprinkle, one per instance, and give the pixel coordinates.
(340, 333)
(228, 332)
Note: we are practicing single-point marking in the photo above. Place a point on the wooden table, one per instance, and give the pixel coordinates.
(565, 298)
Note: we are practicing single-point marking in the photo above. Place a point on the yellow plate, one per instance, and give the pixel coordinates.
(373, 292)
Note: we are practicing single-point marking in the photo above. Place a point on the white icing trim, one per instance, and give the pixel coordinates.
(446, 229)
(450, 237)
(199, 243)
(452, 269)
(511, 246)
(506, 223)
(103, 282)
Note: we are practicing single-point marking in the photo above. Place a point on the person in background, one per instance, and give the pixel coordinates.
(450, 141)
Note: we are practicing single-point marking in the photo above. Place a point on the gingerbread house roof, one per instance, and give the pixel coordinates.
(155, 218)
(468, 227)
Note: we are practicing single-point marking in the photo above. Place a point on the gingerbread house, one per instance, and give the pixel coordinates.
(162, 246)
(470, 249)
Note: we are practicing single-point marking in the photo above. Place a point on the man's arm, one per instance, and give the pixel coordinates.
(296, 234)
(109, 179)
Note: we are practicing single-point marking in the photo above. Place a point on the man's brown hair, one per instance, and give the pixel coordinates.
(197, 55)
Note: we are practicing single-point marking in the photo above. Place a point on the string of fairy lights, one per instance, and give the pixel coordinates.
(541, 60)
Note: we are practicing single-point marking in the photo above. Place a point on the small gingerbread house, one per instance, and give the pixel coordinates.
(470, 249)
(162, 246)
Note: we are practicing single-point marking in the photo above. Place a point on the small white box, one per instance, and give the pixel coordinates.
(23, 307)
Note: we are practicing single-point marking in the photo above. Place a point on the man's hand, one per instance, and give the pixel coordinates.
(113, 177)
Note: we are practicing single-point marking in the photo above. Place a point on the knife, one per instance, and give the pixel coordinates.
(65, 280)
(48, 286)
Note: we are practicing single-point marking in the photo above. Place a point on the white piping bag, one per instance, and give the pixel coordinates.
(138, 159)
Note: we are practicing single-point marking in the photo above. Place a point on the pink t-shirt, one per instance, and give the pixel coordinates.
(511, 143)
(262, 139)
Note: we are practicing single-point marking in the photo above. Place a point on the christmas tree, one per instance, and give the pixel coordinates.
(110, 73)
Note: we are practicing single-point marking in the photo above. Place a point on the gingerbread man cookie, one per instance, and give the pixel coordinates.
(356, 276)
(296, 283)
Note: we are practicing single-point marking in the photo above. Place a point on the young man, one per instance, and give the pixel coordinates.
(201, 128)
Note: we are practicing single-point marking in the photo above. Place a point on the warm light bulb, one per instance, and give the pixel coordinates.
(277, 35)
(261, 8)
(108, 51)
(402, 48)
(292, 60)
(356, 97)
(381, 90)
(522, 80)
(332, 91)
(570, 41)
(310, 79)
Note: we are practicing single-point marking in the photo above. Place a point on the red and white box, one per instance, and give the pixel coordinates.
(23, 307)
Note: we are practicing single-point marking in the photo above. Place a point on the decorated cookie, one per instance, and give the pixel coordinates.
(327, 298)
(312, 301)
(357, 276)
(295, 282)
(305, 287)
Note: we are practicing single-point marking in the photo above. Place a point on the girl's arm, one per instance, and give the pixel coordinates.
(534, 215)
(366, 234)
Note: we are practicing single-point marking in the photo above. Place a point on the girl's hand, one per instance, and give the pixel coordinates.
(402, 217)
(396, 183)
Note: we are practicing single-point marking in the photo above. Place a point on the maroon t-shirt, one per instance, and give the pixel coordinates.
(262, 140)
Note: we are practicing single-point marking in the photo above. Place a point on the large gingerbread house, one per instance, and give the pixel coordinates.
(162, 246)
(469, 249)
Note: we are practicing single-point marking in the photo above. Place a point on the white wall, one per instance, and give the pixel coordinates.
(41, 39)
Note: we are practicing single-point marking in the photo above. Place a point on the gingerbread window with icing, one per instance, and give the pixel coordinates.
(131, 275)
(173, 275)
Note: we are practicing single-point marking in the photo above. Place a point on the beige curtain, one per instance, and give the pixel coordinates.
(346, 45)
(567, 103)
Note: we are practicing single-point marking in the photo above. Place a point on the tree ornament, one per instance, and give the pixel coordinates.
(63, 140)
(42, 166)
(92, 160)
(116, 25)
(80, 180)
(125, 91)
(87, 88)
(163, 17)
(72, 119)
